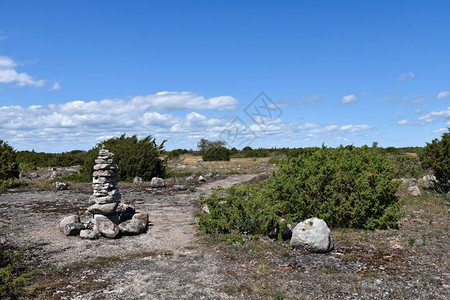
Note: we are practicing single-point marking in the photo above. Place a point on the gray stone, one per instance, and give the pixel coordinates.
(107, 199)
(137, 180)
(191, 178)
(70, 171)
(133, 226)
(60, 186)
(205, 209)
(414, 190)
(312, 235)
(201, 179)
(125, 212)
(89, 234)
(73, 228)
(108, 229)
(68, 220)
(286, 234)
(98, 218)
(142, 217)
(98, 167)
(104, 173)
(157, 182)
(180, 187)
(106, 209)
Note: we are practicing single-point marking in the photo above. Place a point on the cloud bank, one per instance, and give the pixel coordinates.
(8, 74)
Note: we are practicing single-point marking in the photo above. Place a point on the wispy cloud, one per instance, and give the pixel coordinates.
(55, 86)
(348, 99)
(443, 95)
(404, 122)
(436, 116)
(8, 74)
(406, 76)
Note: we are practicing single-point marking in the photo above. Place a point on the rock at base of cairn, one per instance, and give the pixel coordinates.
(68, 220)
(108, 229)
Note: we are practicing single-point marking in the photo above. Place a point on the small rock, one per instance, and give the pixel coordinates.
(133, 226)
(106, 209)
(205, 209)
(157, 182)
(180, 187)
(313, 235)
(89, 234)
(201, 179)
(414, 190)
(68, 220)
(191, 178)
(73, 228)
(60, 186)
(98, 218)
(125, 212)
(108, 229)
(209, 174)
(286, 234)
(137, 180)
(70, 171)
(142, 217)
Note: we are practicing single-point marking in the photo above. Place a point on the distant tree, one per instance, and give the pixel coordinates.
(9, 168)
(216, 154)
(436, 156)
(205, 144)
(375, 145)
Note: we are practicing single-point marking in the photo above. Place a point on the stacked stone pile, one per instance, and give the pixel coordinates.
(110, 217)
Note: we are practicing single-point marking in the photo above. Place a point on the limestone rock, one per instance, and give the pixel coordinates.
(180, 187)
(142, 217)
(89, 234)
(125, 212)
(106, 209)
(68, 220)
(60, 186)
(157, 182)
(98, 218)
(201, 179)
(414, 190)
(313, 235)
(108, 229)
(205, 209)
(133, 226)
(73, 228)
(137, 180)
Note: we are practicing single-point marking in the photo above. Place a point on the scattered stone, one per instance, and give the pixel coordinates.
(104, 209)
(70, 171)
(205, 209)
(414, 190)
(56, 174)
(108, 229)
(73, 228)
(201, 179)
(180, 187)
(68, 220)
(89, 234)
(313, 235)
(98, 218)
(133, 226)
(157, 182)
(286, 234)
(209, 174)
(137, 180)
(191, 178)
(142, 217)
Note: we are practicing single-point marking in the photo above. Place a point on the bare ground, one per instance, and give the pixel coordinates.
(173, 261)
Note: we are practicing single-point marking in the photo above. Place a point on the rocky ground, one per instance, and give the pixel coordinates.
(173, 261)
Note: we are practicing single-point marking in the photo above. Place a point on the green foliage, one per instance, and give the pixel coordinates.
(205, 144)
(32, 159)
(12, 276)
(12, 183)
(406, 166)
(347, 187)
(216, 154)
(134, 158)
(436, 156)
(9, 168)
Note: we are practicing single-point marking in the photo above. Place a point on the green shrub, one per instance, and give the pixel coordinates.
(9, 168)
(12, 276)
(436, 156)
(406, 166)
(350, 187)
(134, 158)
(216, 154)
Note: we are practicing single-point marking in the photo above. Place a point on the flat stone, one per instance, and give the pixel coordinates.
(98, 218)
(73, 228)
(180, 187)
(108, 229)
(102, 180)
(89, 234)
(68, 220)
(142, 217)
(104, 173)
(106, 199)
(106, 209)
(133, 226)
(105, 167)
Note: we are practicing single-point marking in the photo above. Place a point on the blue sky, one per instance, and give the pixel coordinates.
(73, 73)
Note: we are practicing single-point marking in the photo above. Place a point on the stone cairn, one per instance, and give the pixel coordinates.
(110, 217)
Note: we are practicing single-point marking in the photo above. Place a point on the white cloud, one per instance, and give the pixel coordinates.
(440, 130)
(55, 86)
(9, 75)
(442, 95)
(436, 115)
(403, 77)
(348, 99)
(403, 122)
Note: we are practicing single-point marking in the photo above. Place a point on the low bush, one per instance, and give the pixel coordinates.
(347, 187)
(216, 154)
(12, 276)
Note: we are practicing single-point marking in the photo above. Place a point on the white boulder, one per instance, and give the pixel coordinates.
(312, 235)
